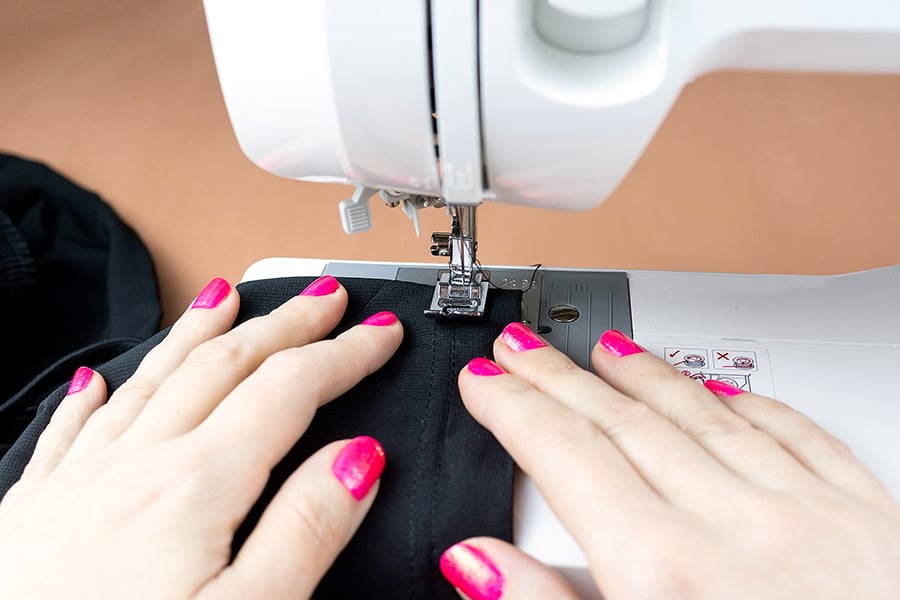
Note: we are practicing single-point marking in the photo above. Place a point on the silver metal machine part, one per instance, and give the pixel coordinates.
(601, 299)
(462, 290)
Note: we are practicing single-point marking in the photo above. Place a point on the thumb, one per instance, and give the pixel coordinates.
(486, 568)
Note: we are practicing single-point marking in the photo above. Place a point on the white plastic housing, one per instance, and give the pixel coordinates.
(562, 128)
(341, 89)
(333, 90)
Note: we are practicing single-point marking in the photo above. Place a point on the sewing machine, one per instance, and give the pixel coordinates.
(548, 103)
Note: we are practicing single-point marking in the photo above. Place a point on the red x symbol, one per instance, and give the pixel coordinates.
(722, 356)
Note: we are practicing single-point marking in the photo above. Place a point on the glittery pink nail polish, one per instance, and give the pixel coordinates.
(359, 465)
(470, 571)
(618, 344)
(324, 285)
(80, 380)
(213, 294)
(484, 367)
(519, 338)
(720, 388)
(381, 319)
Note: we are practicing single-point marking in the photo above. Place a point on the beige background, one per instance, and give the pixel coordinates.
(786, 173)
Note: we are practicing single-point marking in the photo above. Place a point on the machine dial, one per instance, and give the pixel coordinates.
(589, 26)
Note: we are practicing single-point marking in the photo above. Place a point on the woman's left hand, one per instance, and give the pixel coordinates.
(141, 496)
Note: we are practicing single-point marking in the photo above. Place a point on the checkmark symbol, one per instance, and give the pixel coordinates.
(674, 354)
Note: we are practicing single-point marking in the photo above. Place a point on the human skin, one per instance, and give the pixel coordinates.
(672, 490)
(140, 497)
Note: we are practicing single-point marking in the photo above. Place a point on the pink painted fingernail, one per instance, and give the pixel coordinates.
(381, 319)
(720, 388)
(484, 367)
(359, 465)
(618, 344)
(213, 294)
(324, 285)
(470, 571)
(519, 338)
(80, 380)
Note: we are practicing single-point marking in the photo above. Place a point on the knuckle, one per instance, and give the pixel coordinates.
(839, 446)
(820, 440)
(480, 396)
(300, 369)
(47, 452)
(660, 569)
(306, 321)
(137, 386)
(186, 330)
(666, 578)
(554, 366)
(644, 365)
(317, 522)
(627, 416)
(287, 361)
(65, 416)
(109, 418)
(295, 365)
(655, 370)
(706, 423)
(563, 433)
(777, 528)
(222, 350)
(361, 351)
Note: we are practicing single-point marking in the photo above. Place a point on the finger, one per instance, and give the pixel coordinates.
(271, 409)
(213, 369)
(673, 464)
(86, 392)
(586, 480)
(748, 452)
(822, 453)
(488, 569)
(211, 313)
(307, 524)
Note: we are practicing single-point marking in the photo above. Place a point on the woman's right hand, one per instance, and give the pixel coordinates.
(671, 489)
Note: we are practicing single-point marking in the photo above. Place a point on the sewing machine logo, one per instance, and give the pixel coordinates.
(460, 179)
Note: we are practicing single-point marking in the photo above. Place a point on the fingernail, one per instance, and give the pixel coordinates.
(324, 285)
(359, 465)
(381, 319)
(213, 294)
(519, 338)
(80, 380)
(484, 367)
(618, 344)
(720, 388)
(471, 572)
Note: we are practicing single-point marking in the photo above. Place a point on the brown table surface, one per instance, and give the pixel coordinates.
(751, 172)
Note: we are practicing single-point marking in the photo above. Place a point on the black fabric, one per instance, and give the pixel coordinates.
(77, 287)
(446, 477)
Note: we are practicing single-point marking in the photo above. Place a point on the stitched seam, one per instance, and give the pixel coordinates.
(420, 452)
(441, 443)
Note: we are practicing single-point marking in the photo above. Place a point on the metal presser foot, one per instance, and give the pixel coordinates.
(462, 290)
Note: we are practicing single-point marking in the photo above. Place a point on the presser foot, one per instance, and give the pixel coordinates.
(453, 299)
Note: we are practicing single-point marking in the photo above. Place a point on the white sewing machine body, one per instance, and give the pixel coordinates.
(549, 103)
(546, 103)
(828, 346)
